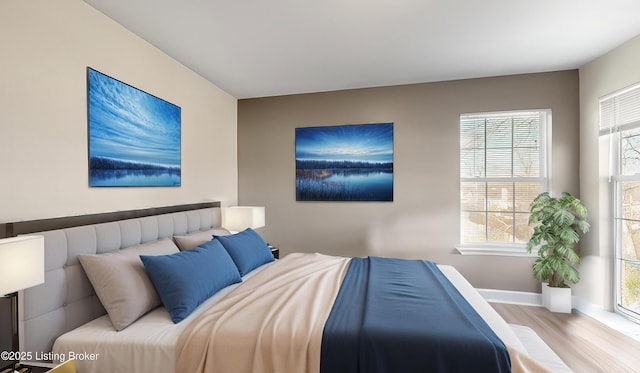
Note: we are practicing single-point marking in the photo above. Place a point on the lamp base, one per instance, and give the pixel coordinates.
(9, 330)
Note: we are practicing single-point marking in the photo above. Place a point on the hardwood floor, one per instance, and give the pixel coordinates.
(583, 343)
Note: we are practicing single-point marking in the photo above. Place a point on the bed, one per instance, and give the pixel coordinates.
(265, 330)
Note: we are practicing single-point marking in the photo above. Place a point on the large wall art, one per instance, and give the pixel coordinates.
(134, 137)
(345, 163)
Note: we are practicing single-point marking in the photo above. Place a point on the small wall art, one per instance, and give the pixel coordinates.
(134, 137)
(352, 162)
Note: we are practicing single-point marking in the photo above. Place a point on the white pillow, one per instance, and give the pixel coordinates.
(121, 282)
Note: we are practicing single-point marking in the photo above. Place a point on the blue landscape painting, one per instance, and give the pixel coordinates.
(345, 163)
(134, 137)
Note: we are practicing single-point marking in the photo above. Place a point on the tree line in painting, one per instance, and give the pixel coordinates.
(99, 163)
(341, 165)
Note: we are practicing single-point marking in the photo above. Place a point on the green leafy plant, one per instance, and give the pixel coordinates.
(557, 224)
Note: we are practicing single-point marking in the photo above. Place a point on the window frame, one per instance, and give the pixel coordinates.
(618, 179)
(619, 113)
(495, 247)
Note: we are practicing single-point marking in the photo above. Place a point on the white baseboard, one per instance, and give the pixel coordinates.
(510, 296)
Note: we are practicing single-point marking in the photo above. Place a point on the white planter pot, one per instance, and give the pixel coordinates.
(556, 299)
(545, 295)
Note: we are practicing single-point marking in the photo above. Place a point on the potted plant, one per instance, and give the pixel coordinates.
(557, 224)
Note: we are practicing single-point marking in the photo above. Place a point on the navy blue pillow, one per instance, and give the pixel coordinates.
(247, 249)
(185, 279)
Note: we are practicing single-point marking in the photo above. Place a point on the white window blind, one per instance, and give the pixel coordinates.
(620, 109)
(503, 167)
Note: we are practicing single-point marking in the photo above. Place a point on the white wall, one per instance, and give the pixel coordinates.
(613, 71)
(46, 47)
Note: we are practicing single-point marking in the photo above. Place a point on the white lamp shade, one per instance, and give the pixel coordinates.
(22, 261)
(239, 218)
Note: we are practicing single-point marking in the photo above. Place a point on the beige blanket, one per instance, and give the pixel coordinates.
(273, 322)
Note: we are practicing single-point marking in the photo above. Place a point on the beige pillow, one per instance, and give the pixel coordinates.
(196, 239)
(121, 282)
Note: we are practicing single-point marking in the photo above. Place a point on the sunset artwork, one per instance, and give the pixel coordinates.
(345, 163)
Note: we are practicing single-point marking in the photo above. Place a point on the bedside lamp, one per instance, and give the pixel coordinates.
(239, 218)
(22, 261)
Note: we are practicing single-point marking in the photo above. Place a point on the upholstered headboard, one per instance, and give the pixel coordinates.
(66, 300)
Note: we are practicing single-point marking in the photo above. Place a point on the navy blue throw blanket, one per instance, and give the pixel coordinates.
(397, 315)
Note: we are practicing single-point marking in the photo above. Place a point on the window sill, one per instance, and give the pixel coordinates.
(494, 251)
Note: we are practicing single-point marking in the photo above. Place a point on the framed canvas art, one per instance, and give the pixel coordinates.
(352, 162)
(134, 137)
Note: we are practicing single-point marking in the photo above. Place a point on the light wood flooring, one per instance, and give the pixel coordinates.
(583, 343)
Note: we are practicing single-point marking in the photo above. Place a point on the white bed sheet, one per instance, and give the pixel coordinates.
(484, 309)
(149, 344)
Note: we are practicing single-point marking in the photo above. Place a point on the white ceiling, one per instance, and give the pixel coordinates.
(257, 48)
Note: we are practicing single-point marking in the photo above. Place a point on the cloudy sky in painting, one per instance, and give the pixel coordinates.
(365, 142)
(128, 124)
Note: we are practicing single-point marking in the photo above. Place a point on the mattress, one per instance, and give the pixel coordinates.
(149, 344)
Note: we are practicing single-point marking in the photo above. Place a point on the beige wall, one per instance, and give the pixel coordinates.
(46, 47)
(423, 220)
(611, 72)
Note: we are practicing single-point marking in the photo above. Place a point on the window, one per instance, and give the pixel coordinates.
(503, 167)
(620, 120)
